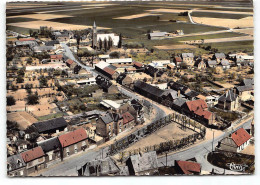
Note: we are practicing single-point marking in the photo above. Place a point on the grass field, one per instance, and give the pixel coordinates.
(219, 15)
(238, 46)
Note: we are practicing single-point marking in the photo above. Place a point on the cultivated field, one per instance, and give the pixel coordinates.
(23, 119)
(172, 47)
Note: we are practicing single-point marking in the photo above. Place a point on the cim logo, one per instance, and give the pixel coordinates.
(237, 167)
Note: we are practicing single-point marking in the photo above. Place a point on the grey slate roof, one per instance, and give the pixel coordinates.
(149, 88)
(179, 102)
(99, 167)
(212, 62)
(50, 144)
(228, 96)
(43, 48)
(248, 81)
(51, 43)
(245, 88)
(225, 62)
(144, 162)
(187, 55)
(107, 118)
(192, 94)
(158, 34)
(15, 162)
(51, 124)
(220, 55)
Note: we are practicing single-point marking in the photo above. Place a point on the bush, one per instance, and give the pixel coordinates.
(33, 99)
(10, 100)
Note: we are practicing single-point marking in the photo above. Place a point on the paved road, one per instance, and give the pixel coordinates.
(199, 150)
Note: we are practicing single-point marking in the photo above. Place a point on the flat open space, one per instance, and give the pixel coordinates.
(23, 119)
(169, 132)
(172, 47)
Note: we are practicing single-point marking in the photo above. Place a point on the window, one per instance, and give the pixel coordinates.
(76, 148)
(21, 173)
(67, 151)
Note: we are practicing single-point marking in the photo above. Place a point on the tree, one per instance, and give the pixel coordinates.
(43, 81)
(120, 41)
(33, 99)
(19, 79)
(30, 32)
(114, 54)
(29, 60)
(100, 43)
(105, 44)
(10, 100)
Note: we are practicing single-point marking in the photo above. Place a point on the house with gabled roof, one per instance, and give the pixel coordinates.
(236, 142)
(225, 64)
(73, 142)
(188, 59)
(50, 126)
(143, 164)
(51, 148)
(219, 57)
(229, 101)
(34, 159)
(15, 165)
(198, 110)
(56, 58)
(99, 167)
(105, 126)
(211, 63)
(187, 167)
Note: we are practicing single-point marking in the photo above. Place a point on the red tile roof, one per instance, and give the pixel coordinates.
(127, 117)
(109, 70)
(178, 59)
(240, 136)
(26, 39)
(32, 154)
(72, 137)
(199, 107)
(189, 167)
(56, 56)
(69, 61)
(196, 104)
(138, 64)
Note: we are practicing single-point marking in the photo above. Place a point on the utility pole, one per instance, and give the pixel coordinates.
(166, 158)
(213, 142)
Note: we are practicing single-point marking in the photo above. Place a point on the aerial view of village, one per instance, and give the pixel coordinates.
(140, 88)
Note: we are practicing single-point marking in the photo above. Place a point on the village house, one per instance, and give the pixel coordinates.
(219, 57)
(138, 65)
(143, 164)
(200, 64)
(120, 62)
(187, 167)
(160, 64)
(149, 91)
(156, 35)
(88, 81)
(236, 142)
(107, 69)
(198, 110)
(15, 165)
(56, 58)
(51, 148)
(229, 101)
(73, 142)
(34, 160)
(105, 126)
(125, 121)
(177, 104)
(50, 126)
(188, 59)
(99, 167)
(245, 93)
(212, 63)
(70, 63)
(225, 64)
(153, 72)
(178, 61)
(110, 104)
(124, 79)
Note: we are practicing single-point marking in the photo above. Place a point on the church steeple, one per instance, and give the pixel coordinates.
(94, 35)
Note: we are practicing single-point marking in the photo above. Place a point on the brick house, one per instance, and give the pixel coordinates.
(51, 148)
(126, 120)
(73, 142)
(34, 160)
(188, 59)
(105, 126)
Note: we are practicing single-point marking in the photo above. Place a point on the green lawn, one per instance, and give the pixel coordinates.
(51, 116)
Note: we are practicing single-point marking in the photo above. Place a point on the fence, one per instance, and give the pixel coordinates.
(183, 120)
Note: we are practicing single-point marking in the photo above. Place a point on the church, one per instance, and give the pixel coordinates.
(96, 38)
